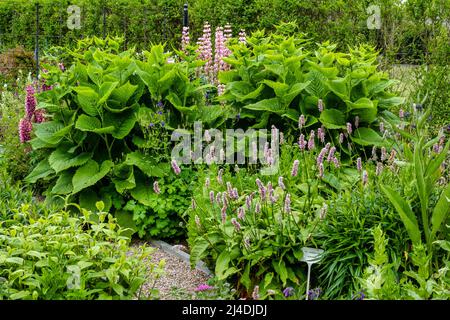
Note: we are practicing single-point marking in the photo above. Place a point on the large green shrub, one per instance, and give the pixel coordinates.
(54, 256)
(110, 119)
(274, 80)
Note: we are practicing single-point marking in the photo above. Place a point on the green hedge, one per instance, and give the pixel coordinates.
(404, 33)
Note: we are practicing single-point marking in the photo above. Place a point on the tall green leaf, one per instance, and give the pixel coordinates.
(406, 214)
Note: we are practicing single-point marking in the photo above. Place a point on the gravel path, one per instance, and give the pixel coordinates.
(178, 281)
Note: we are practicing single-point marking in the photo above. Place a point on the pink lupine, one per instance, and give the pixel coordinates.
(359, 164)
(156, 187)
(61, 67)
(185, 39)
(205, 52)
(236, 224)
(320, 105)
(401, 113)
(287, 203)
(242, 37)
(294, 170)
(302, 142)
(207, 183)
(258, 207)
(227, 31)
(211, 197)
(193, 204)
(25, 128)
(207, 136)
(175, 167)
(301, 121)
(30, 102)
(281, 183)
(311, 140)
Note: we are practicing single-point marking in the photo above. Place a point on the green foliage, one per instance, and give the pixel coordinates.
(56, 256)
(14, 156)
(160, 214)
(422, 216)
(275, 79)
(346, 237)
(382, 279)
(108, 135)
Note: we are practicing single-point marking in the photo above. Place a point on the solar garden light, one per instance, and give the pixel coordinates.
(310, 256)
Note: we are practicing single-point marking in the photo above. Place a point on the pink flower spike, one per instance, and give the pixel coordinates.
(175, 167)
(156, 187)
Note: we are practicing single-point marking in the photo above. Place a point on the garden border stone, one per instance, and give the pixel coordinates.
(201, 266)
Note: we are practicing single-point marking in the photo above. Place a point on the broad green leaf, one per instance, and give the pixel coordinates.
(222, 263)
(441, 211)
(63, 184)
(105, 91)
(51, 132)
(124, 183)
(89, 174)
(87, 99)
(406, 214)
(42, 170)
(332, 119)
(122, 123)
(61, 160)
(123, 93)
(197, 251)
(125, 221)
(92, 124)
(367, 137)
(146, 164)
(362, 103)
(271, 105)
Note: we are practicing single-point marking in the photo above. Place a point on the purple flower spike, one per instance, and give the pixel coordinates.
(175, 167)
(289, 291)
